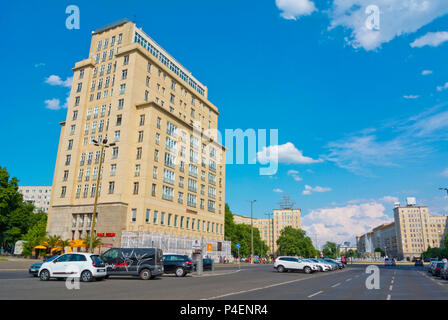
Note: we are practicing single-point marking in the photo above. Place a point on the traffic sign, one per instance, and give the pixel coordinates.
(238, 246)
(209, 247)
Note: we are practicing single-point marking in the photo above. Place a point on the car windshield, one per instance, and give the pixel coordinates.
(96, 259)
(51, 259)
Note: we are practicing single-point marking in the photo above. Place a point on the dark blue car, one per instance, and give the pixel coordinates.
(34, 269)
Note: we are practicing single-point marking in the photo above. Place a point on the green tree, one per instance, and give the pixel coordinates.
(330, 249)
(96, 242)
(294, 242)
(16, 216)
(382, 253)
(36, 235)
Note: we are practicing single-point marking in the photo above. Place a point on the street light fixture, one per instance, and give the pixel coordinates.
(251, 231)
(102, 144)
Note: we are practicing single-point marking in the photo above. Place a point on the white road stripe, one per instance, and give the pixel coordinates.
(335, 285)
(388, 297)
(390, 288)
(348, 279)
(315, 294)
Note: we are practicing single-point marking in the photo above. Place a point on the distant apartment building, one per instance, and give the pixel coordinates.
(411, 233)
(270, 229)
(39, 196)
(165, 176)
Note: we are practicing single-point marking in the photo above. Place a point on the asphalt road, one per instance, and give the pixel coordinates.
(252, 282)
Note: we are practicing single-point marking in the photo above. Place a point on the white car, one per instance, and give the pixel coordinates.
(285, 263)
(85, 266)
(321, 265)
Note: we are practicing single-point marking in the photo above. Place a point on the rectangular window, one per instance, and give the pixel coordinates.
(136, 185)
(134, 215)
(155, 217)
(111, 187)
(148, 215)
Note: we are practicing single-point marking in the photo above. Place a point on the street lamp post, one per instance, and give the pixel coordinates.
(102, 144)
(251, 231)
(269, 214)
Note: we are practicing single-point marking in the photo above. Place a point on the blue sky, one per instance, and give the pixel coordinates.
(371, 106)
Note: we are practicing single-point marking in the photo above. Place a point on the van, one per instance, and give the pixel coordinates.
(147, 263)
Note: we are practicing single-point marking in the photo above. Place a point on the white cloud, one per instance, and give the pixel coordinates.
(278, 190)
(411, 96)
(308, 189)
(287, 153)
(295, 175)
(54, 104)
(412, 138)
(445, 173)
(397, 17)
(426, 72)
(432, 39)
(443, 87)
(389, 199)
(344, 223)
(293, 9)
(55, 80)
(40, 64)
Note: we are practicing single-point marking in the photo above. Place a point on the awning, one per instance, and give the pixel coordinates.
(40, 247)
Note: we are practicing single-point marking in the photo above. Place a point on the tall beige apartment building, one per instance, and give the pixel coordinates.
(270, 229)
(166, 174)
(411, 233)
(416, 230)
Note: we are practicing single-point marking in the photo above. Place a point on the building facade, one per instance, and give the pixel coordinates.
(270, 229)
(411, 233)
(39, 196)
(166, 172)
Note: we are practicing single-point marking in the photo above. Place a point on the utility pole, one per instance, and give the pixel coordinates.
(252, 230)
(102, 144)
(270, 214)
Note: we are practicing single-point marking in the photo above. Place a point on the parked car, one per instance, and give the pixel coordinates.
(143, 262)
(432, 265)
(444, 271)
(388, 262)
(286, 263)
(206, 264)
(437, 268)
(322, 266)
(34, 269)
(85, 266)
(178, 264)
(339, 265)
(426, 260)
(418, 263)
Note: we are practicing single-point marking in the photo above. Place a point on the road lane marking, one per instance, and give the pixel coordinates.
(390, 288)
(392, 282)
(261, 288)
(315, 294)
(348, 279)
(335, 285)
(388, 297)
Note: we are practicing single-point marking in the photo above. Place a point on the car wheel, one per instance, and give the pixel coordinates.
(86, 276)
(180, 272)
(44, 275)
(281, 269)
(145, 274)
(307, 270)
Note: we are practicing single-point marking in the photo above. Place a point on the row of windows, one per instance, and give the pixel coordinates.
(173, 67)
(173, 220)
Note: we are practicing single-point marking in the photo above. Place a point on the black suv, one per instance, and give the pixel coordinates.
(144, 262)
(178, 264)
